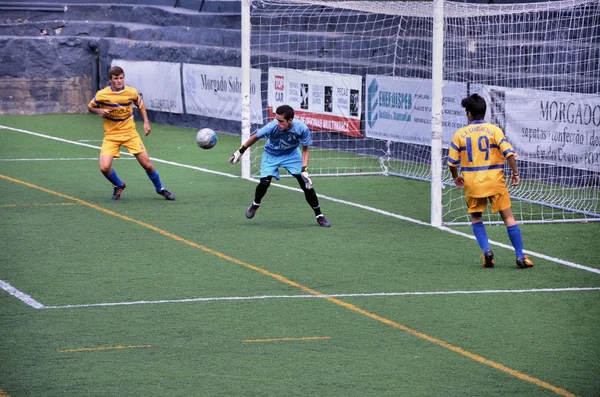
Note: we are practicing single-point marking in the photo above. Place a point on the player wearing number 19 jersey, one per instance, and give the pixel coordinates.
(480, 150)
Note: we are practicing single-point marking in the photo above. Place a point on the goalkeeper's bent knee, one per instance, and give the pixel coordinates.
(265, 182)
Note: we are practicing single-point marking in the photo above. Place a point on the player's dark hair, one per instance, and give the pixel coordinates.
(474, 104)
(286, 111)
(115, 71)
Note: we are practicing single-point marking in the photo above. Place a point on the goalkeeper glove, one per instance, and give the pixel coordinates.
(307, 181)
(235, 157)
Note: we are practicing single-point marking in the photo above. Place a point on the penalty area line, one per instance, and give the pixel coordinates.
(357, 295)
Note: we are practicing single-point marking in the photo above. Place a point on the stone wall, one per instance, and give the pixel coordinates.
(38, 95)
(56, 54)
(45, 75)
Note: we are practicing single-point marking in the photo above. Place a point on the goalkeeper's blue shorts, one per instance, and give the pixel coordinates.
(270, 164)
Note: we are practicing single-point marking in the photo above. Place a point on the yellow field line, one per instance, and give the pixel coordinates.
(287, 339)
(34, 205)
(311, 291)
(90, 349)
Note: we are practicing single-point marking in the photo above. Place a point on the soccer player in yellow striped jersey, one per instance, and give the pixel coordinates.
(480, 150)
(115, 104)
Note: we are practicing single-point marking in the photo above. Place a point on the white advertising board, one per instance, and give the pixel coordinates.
(548, 127)
(158, 82)
(399, 109)
(216, 91)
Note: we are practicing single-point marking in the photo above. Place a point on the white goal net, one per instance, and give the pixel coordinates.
(359, 73)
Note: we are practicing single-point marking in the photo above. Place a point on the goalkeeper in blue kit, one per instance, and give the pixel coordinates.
(284, 137)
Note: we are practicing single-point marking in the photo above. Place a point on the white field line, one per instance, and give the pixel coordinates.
(123, 153)
(247, 298)
(349, 203)
(28, 300)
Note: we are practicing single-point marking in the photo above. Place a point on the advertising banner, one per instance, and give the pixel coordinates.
(158, 82)
(548, 127)
(399, 109)
(324, 101)
(216, 91)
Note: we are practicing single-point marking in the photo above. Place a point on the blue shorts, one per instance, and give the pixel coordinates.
(270, 163)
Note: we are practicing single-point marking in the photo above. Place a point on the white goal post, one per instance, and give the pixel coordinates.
(379, 83)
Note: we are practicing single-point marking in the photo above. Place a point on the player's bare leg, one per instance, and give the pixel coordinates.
(508, 217)
(144, 161)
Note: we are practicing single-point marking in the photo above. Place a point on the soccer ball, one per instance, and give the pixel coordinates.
(206, 138)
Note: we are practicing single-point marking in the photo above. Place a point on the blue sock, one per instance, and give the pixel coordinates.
(481, 235)
(114, 179)
(514, 234)
(155, 178)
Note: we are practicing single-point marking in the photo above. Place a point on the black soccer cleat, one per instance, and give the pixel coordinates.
(167, 194)
(117, 191)
(251, 211)
(322, 221)
(524, 263)
(488, 258)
